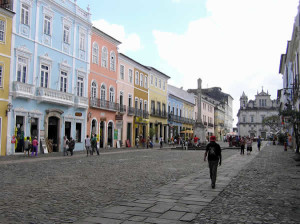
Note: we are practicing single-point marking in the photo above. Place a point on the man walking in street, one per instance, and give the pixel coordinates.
(94, 145)
(87, 142)
(214, 156)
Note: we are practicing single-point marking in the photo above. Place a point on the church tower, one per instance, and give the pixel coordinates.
(243, 100)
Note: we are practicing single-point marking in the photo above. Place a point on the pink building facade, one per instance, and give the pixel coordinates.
(103, 105)
(125, 86)
(207, 112)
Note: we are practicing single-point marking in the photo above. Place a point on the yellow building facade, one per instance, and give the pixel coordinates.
(6, 17)
(189, 119)
(158, 101)
(141, 111)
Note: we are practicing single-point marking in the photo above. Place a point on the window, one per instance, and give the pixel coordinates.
(94, 90)
(159, 83)
(262, 118)
(130, 72)
(82, 41)
(252, 119)
(152, 107)
(129, 100)
(1, 76)
(141, 79)
(66, 37)
(151, 79)
(121, 98)
(44, 75)
(63, 81)
(111, 94)
(95, 53)
(22, 70)
(136, 102)
(244, 119)
(136, 77)
(122, 70)
(104, 57)
(47, 25)
(103, 92)
(25, 14)
(155, 81)
(112, 61)
(164, 85)
(2, 30)
(145, 105)
(78, 132)
(146, 82)
(141, 104)
(80, 86)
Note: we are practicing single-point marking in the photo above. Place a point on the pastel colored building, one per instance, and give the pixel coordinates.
(181, 112)
(208, 115)
(141, 99)
(48, 85)
(103, 89)
(158, 99)
(6, 17)
(125, 88)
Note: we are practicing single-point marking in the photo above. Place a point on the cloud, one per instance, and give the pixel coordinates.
(130, 42)
(237, 47)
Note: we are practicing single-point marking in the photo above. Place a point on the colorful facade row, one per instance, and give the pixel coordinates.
(60, 76)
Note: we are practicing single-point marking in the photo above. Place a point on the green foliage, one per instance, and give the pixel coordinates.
(273, 122)
(151, 132)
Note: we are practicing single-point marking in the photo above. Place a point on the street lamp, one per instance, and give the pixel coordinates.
(9, 107)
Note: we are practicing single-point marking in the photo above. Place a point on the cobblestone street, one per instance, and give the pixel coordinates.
(151, 186)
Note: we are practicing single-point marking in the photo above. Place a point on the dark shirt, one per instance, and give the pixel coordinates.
(213, 151)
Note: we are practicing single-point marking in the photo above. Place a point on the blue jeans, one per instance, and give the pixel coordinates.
(213, 166)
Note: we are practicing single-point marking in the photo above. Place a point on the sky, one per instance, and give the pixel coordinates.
(232, 44)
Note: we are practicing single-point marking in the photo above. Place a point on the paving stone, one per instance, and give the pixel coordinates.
(137, 218)
(161, 221)
(188, 217)
(101, 220)
(172, 215)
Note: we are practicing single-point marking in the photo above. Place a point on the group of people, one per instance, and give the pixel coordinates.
(247, 141)
(68, 145)
(147, 143)
(31, 146)
(91, 145)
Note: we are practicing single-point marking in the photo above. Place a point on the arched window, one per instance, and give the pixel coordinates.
(94, 90)
(95, 53)
(112, 61)
(111, 94)
(103, 92)
(104, 57)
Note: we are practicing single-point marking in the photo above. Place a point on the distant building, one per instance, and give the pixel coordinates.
(252, 113)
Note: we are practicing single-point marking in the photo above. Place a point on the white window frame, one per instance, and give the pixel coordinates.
(1, 75)
(25, 13)
(66, 33)
(130, 75)
(159, 83)
(151, 80)
(2, 30)
(112, 61)
(47, 25)
(145, 105)
(95, 53)
(155, 81)
(141, 79)
(146, 81)
(164, 85)
(137, 77)
(122, 71)
(45, 84)
(103, 92)
(130, 97)
(94, 89)
(104, 54)
(22, 64)
(82, 38)
(111, 94)
(63, 81)
(80, 86)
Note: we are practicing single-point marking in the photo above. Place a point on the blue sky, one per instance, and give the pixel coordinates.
(233, 44)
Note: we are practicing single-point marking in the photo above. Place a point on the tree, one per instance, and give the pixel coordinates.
(273, 122)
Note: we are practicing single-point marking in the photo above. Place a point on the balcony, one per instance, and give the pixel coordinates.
(6, 4)
(104, 104)
(145, 114)
(130, 111)
(205, 123)
(138, 112)
(122, 109)
(54, 96)
(81, 102)
(210, 125)
(23, 90)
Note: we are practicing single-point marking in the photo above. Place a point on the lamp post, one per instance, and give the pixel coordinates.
(9, 107)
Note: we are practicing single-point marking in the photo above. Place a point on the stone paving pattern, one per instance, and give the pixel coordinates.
(153, 186)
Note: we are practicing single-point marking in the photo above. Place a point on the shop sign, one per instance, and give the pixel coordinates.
(119, 117)
(78, 114)
(102, 118)
(115, 134)
(119, 124)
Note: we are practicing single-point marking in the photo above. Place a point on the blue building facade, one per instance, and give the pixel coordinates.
(48, 83)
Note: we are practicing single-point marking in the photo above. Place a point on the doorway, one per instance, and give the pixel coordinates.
(129, 127)
(19, 134)
(53, 133)
(68, 129)
(94, 127)
(102, 128)
(34, 128)
(110, 134)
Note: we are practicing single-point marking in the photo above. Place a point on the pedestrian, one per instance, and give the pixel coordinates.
(71, 145)
(148, 142)
(137, 141)
(27, 146)
(161, 140)
(242, 143)
(87, 143)
(249, 145)
(195, 140)
(258, 143)
(214, 157)
(66, 145)
(290, 140)
(35, 144)
(94, 145)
